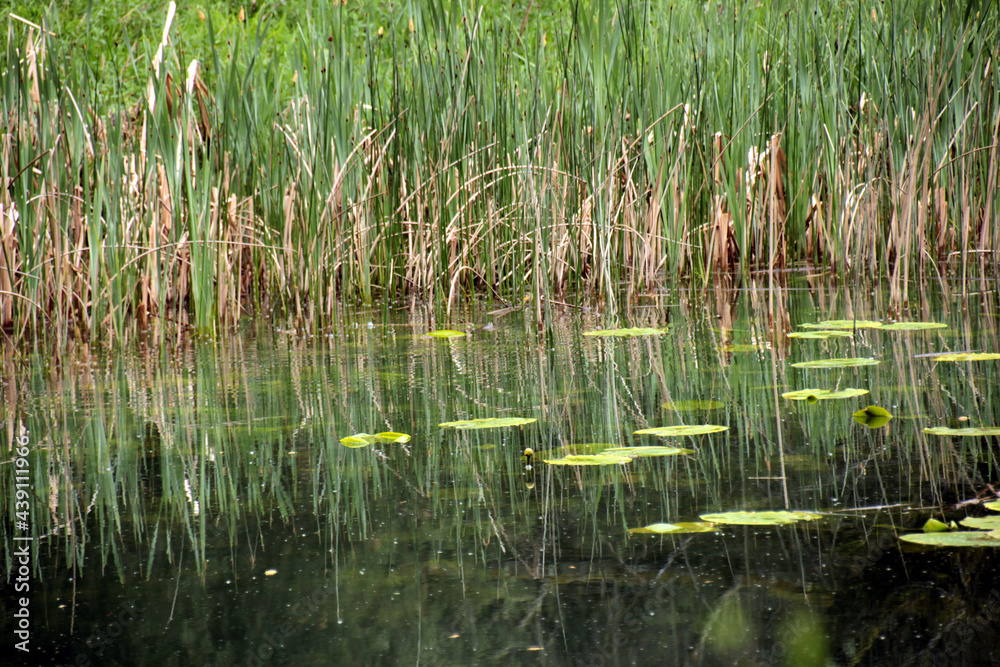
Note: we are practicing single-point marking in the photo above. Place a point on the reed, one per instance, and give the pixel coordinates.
(287, 162)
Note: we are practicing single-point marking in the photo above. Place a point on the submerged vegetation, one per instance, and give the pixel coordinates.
(271, 160)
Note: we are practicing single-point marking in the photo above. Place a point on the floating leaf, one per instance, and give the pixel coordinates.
(663, 528)
(819, 334)
(589, 460)
(982, 522)
(844, 324)
(813, 395)
(993, 505)
(392, 437)
(358, 440)
(693, 405)
(914, 326)
(694, 429)
(634, 331)
(935, 526)
(966, 356)
(637, 452)
(365, 439)
(760, 518)
(971, 431)
(492, 422)
(837, 363)
(965, 538)
(446, 333)
(873, 416)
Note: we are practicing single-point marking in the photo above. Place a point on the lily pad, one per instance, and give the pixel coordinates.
(966, 356)
(914, 326)
(760, 518)
(820, 334)
(965, 538)
(634, 331)
(492, 422)
(589, 460)
(873, 416)
(993, 505)
(693, 405)
(935, 526)
(364, 439)
(844, 324)
(693, 429)
(837, 363)
(664, 528)
(971, 431)
(822, 394)
(446, 333)
(982, 522)
(639, 452)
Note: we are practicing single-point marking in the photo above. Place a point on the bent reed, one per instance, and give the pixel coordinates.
(442, 149)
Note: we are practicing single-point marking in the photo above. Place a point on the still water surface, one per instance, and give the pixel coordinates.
(192, 503)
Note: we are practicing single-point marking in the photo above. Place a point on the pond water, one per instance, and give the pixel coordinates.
(191, 502)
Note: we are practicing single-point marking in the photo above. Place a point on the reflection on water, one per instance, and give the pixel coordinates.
(191, 502)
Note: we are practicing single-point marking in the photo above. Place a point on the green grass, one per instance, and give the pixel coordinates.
(329, 154)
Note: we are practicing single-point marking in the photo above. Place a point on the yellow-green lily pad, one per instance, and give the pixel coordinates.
(760, 518)
(837, 363)
(664, 528)
(993, 505)
(492, 422)
(446, 333)
(873, 416)
(935, 526)
(589, 460)
(633, 331)
(965, 538)
(844, 324)
(364, 439)
(638, 452)
(914, 326)
(971, 431)
(966, 356)
(982, 522)
(693, 429)
(834, 333)
(694, 405)
(813, 395)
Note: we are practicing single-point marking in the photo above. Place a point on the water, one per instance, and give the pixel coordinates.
(191, 502)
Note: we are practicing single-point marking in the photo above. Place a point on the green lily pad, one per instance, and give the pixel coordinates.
(589, 460)
(664, 528)
(820, 334)
(982, 522)
(634, 331)
(446, 333)
(837, 363)
(966, 356)
(844, 324)
(693, 405)
(993, 505)
(492, 422)
(873, 416)
(364, 439)
(965, 538)
(694, 429)
(914, 326)
(935, 526)
(822, 394)
(971, 431)
(638, 452)
(760, 518)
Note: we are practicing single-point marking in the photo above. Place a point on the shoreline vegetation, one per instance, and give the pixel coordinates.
(231, 161)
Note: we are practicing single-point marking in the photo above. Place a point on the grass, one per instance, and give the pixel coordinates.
(320, 155)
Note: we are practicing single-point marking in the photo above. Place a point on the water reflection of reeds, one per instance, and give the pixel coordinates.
(210, 455)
